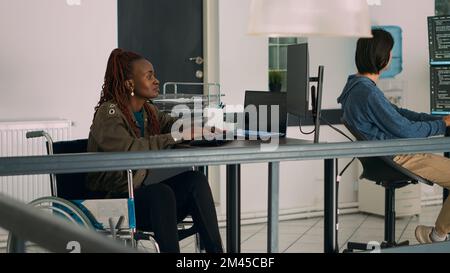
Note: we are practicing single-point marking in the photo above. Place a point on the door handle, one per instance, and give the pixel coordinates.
(198, 60)
(199, 74)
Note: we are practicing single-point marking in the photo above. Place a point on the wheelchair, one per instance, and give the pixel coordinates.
(71, 200)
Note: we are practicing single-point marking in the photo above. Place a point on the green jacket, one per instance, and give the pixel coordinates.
(111, 132)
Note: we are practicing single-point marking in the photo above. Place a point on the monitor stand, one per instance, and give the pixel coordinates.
(316, 99)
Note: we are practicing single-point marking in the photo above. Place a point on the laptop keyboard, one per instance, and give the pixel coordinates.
(207, 143)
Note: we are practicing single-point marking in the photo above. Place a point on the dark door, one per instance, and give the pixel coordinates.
(169, 33)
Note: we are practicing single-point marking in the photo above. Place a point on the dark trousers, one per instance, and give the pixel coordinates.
(160, 207)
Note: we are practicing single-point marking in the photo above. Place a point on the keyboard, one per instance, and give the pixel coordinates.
(258, 134)
(207, 143)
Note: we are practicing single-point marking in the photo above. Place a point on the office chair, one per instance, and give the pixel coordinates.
(384, 171)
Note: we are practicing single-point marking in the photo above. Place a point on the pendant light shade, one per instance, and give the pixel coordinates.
(307, 18)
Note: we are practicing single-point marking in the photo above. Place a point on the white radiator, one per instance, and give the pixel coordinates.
(13, 142)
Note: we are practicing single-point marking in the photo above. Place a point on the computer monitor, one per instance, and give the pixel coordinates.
(440, 90)
(298, 87)
(298, 80)
(438, 37)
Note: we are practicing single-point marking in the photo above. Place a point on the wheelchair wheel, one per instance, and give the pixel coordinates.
(56, 206)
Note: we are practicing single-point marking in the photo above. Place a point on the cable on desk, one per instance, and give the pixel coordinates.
(300, 127)
(349, 138)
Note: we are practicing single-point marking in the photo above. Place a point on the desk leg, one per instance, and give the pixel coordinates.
(330, 218)
(234, 208)
(273, 209)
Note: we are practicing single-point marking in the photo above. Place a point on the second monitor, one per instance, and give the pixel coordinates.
(298, 88)
(440, 90)
(298, 80)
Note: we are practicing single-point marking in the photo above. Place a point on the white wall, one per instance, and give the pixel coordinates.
(243, 59)
(243, 63)
(53, 58)
(337, 55)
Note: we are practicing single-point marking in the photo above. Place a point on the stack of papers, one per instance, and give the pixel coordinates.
(249, 133)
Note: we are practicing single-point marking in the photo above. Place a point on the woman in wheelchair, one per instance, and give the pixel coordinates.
(126, 120)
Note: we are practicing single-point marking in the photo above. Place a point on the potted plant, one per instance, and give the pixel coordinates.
(275, 81)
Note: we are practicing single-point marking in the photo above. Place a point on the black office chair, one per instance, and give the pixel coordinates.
(384, 171)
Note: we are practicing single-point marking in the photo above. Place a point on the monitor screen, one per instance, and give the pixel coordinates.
(439, 40)
(262, 98)
(298, 80)
(440, 90)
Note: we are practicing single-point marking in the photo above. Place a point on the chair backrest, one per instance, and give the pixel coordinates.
(73, 186)
(383, 168)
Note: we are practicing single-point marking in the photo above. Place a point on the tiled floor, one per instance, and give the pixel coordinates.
(306, 235)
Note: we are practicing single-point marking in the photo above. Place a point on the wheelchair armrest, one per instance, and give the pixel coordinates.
(35, 134)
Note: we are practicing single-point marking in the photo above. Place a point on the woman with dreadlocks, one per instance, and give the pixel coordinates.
(125, 120)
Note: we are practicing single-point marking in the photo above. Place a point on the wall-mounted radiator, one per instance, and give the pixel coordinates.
(14, 143)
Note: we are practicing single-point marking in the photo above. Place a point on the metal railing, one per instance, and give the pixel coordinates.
(25, 220)
(94, 162)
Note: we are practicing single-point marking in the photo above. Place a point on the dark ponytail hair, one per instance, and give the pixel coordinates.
(372, 54)
(118, 71)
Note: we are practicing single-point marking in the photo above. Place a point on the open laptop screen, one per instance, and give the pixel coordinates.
(259, 98)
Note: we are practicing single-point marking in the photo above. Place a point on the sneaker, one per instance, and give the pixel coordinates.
(423, 234)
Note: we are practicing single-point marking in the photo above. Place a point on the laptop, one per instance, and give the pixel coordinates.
(264, 98)
(256, 98)
(158, 175)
